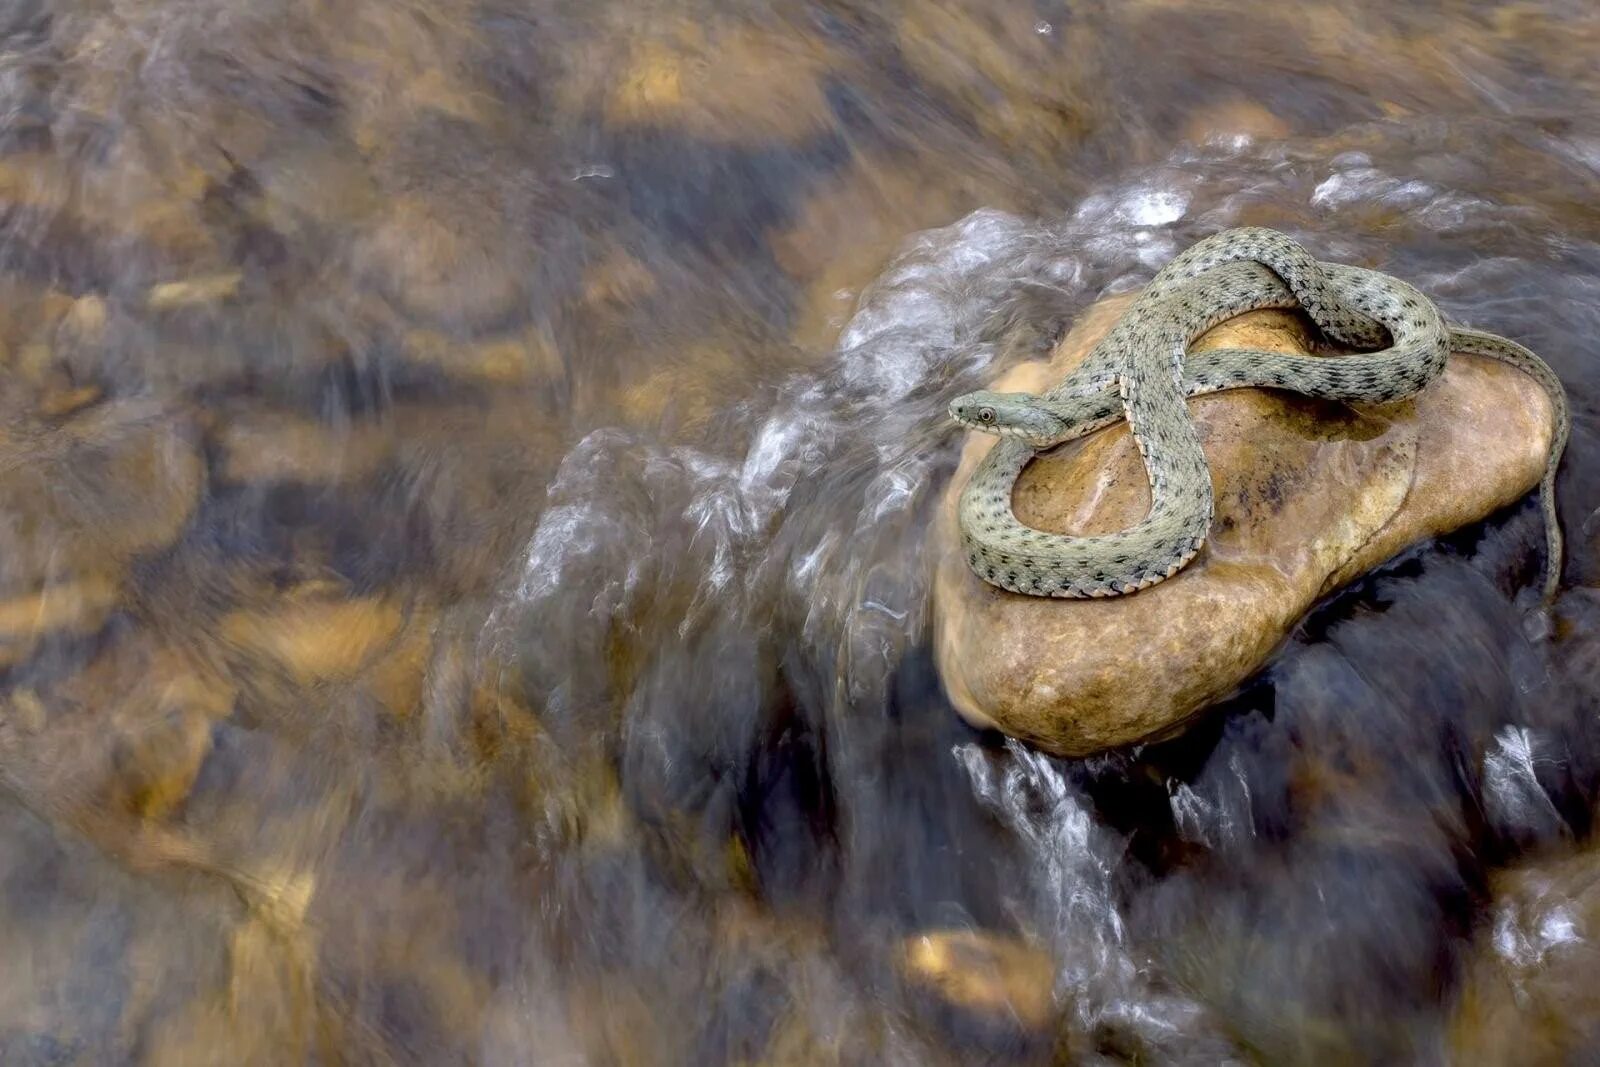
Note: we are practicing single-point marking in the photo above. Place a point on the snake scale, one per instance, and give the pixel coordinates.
(1141, 372)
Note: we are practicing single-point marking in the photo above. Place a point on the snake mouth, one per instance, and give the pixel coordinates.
(1030, 437)
(1014, 432)
(1006, 430)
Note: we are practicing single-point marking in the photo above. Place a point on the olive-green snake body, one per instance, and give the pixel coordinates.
(1141, 372)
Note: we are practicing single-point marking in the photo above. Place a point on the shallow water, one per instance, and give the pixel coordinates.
(463, 479)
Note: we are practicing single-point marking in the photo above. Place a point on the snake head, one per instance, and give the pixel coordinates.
(1017, 415)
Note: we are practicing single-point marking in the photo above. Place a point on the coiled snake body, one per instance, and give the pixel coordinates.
(1140, 371)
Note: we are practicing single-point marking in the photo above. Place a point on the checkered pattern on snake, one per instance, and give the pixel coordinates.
(1141, 372)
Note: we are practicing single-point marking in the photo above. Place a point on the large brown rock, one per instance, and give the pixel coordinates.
(1309, 495)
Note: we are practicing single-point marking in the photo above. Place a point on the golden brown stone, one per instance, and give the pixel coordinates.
(689, 391)
(268, 447)
(742, 82)
(398, 679)
(59, 402)
(33, 182)
(397, 66)
(1530, 994)
(991, 976)
(1309, 495)
(157, 765)
(85, 321)
(68, 607)
(876, 200)
(435, 260)
(527, 358)
(618, 280)
(192, 292)
(1029, 83)
(265, 1010)
(316, 639)
(86, 494)
(25, 711)
(325, 187)
(1236, 118)
(125, 736)
(32, 362)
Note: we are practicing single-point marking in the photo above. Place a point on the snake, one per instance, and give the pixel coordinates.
(1141, 372)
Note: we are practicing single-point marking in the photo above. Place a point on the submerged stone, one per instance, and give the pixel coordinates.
(724, 82)
(69, 607)
(84, 494)
(314, 638)
(1529, 994)
(993, 978)
(195, 292)
(1309, 496)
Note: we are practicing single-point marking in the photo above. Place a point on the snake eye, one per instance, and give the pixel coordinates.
(986, 414)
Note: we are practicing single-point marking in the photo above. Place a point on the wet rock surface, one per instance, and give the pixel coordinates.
(1309, 495)
(1529, 994)
(998, 981)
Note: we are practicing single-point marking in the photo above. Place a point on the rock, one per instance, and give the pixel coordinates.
(1309, 496)
(526, 358)
(32, 363)
(1031, 84)
(736, 82)
(618, 281)
(86, 494)
(691, 387)
(72, 607)
(256, 446)
(26, 328)
(1529, 995)
(194, 292)
(398, 680)
(1235, 120)
(440, 263)
(877, 199)
(993, 978)
(124, 738)
(55, 403)
(85, 321)
(269, 982)
(308, 190)
(33, 182)
(316, 638)
(159, 738)
(393, 68)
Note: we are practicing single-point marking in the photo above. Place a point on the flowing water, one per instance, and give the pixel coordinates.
(464, 475)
